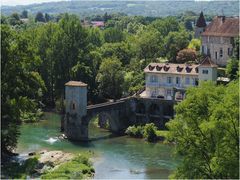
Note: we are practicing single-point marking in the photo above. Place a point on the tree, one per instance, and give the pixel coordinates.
(47, 17)
(147, 44)
(166, 25)
(186, 55)
(24, 14)
(232, 68)
(188, 24)
(205, 130)
(112, 35)
(110, 78)
(195, 44)
(39, 17)
(14, 19)
(121, 50)
(21, 85)
(174, 42)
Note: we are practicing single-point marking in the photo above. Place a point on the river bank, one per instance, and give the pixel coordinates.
(48, 165)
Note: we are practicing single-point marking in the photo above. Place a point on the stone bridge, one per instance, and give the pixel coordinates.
(118, 115)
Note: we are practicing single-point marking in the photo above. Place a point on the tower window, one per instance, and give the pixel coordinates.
(215, 55)
(73, 106)
(204, 71)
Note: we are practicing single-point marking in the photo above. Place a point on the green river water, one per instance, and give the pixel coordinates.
(114, 158)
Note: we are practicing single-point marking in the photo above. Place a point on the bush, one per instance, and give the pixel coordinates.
(78, 168)
(135, 131)
(150, 132)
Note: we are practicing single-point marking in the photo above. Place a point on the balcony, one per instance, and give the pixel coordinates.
(157, 84)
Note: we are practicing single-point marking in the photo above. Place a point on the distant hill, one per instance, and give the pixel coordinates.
(144, 8)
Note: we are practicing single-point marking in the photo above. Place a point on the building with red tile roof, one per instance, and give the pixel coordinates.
(218, 39)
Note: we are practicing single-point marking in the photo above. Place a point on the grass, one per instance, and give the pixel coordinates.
(78, 168)
(162, 133)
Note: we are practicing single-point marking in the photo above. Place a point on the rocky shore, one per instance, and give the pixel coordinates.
(48, 164)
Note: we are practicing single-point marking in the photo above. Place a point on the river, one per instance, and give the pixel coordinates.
(114, 157)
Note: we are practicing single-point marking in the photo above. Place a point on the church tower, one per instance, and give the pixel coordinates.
(200, 26)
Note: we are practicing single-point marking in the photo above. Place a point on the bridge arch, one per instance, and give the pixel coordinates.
(154, 109)
(141, 109)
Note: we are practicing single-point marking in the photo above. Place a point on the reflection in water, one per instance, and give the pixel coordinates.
(115, 157)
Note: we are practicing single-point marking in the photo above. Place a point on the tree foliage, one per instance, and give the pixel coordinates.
(21, 84)
(110, 78)
(206, 132)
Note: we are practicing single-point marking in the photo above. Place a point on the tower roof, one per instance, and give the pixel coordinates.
(207, 62)
(75, 83)
(201, 21)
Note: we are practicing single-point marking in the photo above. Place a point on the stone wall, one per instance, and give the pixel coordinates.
(213, 45)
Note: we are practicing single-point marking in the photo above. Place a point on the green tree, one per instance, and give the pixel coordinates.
(147, 44)
(149, 132)
(24, 14)
(21, 84)
(173, 43)
(47, 17)
(14, 19)
(206, 132)
(39, 17)
(122, 50)
(232, 68)
(112, 35)
(110, 78)
(195, 44)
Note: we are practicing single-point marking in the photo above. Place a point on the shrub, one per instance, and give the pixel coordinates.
(150, 132)
(135, 131)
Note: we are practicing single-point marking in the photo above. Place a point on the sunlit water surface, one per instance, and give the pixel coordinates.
(115, 157)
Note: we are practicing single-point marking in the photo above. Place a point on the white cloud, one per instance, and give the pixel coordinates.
(24, 2)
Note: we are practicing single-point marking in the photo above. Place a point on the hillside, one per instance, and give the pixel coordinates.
(145, 8)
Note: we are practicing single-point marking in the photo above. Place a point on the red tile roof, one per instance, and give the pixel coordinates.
(201, 21)
(223, 26)
(75, 83)
(169, 68)
(207, 62)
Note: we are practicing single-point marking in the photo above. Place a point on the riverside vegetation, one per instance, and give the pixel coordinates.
(149, 132)
(39, 57)
(43, 165)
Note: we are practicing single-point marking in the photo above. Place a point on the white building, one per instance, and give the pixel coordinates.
(163, 79)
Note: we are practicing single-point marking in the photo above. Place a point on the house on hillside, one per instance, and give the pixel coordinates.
(169, 81)
(218, 39)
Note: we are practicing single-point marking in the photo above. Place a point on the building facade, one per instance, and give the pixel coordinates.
(218, 39)
(164, 80)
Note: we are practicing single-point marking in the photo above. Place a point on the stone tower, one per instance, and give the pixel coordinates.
(200, 26)
(207, 70)
(76, 109)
